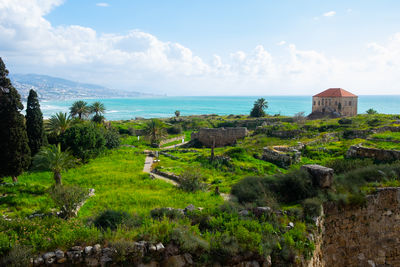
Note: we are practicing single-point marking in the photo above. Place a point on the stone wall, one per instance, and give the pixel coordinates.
(221, 136)
(282, 156)
(374, 153)
(363, 236)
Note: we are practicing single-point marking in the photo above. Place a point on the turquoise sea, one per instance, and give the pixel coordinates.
(153, 107)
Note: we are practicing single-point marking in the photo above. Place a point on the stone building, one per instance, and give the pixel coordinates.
(219, 136)
(335, 101)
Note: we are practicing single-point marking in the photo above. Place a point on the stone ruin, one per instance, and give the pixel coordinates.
(283, 156)
(219, 136)
(374, 153)
(322, 176)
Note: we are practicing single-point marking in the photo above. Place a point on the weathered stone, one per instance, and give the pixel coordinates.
(91, 261)
(291, 225)
(267, 262)
(174, 261)
(374, 153)
(104, 260)
(244, 212)
(322, 176)
(160, 247)
(96, 248)
(150, 264)
(260, 211)
(152, 248)
(191, 207)
(62, 260)
(76, 248)
(49, 258)
(282, 156)
(219, 136)
(171, 250)
(88, 250)
(59, 254)
(188, 258)
(38, 261)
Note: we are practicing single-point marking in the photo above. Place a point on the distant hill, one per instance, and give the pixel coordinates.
(52, 88)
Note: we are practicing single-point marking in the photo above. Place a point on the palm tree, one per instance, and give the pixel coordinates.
(258, 109)
(97, 108)
(51, 158)
(79, 108)
(59, 123)
(177, 113)
(154, 130)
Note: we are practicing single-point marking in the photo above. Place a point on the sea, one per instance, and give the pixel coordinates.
(159, 107)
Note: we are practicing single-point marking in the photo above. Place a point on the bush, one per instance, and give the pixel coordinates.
(345, 165)
(312, 208)
(176, 129)
(18, 256)
(67, 198)
(345, 121)
(295, 185)
(110, 219)
(236, 153)
(112, 138)
(85, 141)
(191, 180)
(169, 213)
(98, 118)
(252, 189)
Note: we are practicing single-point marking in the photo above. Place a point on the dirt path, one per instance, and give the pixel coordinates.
(173, 146)
(147, 169)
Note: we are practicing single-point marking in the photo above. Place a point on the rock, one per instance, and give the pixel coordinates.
(150, 264)
(59, 254)
(171, 250)
(104, 260)
(152, 248)
(290, 225)
(267, 262)
(322, 176)
(174, 261)
(76, 248)
(91, 192)
(49, 258)
(160, 247)
(260, 211)
(38, 261)
(191, 207)
(90, 261)
(248, 264)
(62, 260)
(88, 250)
(188, 258)
(140, 248)
(371, 263)
(109, 252)
(244, 212)
(96, 249)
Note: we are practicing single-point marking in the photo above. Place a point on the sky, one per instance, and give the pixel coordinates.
(208, 47)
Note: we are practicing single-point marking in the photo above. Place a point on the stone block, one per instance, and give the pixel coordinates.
(322, 176)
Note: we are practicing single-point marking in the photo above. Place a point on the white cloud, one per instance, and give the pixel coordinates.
(102, 4)
(136, 60)
(329, 14)
(281, 43)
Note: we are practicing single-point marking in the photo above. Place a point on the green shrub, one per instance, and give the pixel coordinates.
(67, 198)
(236, 153)
(18, 256)
(123, 249)
(4, 243)
(345, 165)
(176, 129)
(86, 141)
(312, 208)
(112, 138)
(189, 241)
(111, 219)
(251, 189)
(169, 213)
(223, 247)
(295, 185)
(345, 121)
(191, 180)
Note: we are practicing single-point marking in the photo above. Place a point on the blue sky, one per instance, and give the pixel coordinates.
(208, 47)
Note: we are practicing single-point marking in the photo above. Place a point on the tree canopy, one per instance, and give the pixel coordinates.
(15, 155)
(34, 123)
(80, 108)
(258, 108)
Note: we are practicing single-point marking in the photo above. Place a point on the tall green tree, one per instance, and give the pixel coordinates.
(15, 155)
(258, 108)
(52, 158)
(79, 108)
(34, 123)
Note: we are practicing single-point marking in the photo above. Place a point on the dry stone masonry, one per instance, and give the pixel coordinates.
(282, 156)
(374, 153)
(219, 136)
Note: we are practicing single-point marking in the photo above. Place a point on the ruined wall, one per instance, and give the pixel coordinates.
(374, 153)
(363, 236)
(222, 136)
(281, 156)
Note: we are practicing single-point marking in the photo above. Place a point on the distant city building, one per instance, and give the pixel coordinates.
(334, 102)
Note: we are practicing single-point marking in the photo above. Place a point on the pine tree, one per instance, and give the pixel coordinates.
(34, 123)
(15, 155)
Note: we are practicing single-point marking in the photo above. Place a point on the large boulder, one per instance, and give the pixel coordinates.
(322, 176)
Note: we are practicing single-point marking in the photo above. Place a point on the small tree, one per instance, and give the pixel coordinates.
(371, 111)
(59, 123)
(98, 109)
(51, 158)
(154, 130)
(299, 117)
(192, 180)
(80, 108)
(258, 108)
(15, 155)
(34, 123)
(68, 198)
(177, 113)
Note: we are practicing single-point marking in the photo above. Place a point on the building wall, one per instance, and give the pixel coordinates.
(327, 104)
(221, 136)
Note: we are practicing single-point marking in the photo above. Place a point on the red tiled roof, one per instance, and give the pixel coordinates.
(335, 92)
